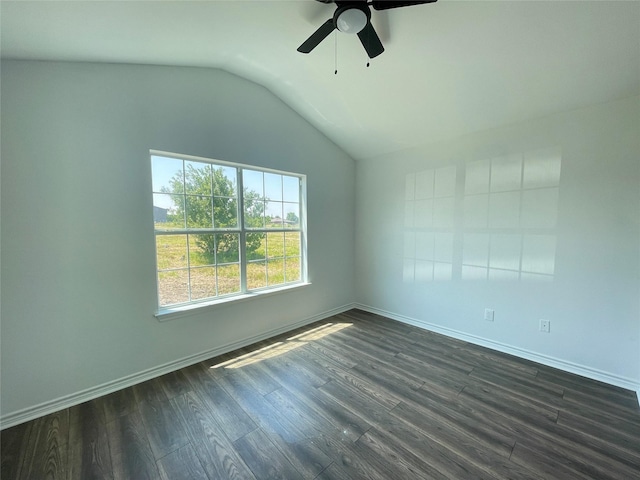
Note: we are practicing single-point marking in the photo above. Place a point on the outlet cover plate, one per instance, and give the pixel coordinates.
(545, 326)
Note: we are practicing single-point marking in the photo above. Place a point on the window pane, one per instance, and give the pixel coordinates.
(171, 251)
(228, 279)
(275, 271)
(225, 181)
(291, 215)
(172, 287)
(225, 212)
(168, 211)
(253, 212)
(256, 275)
(273, 215)
(167, 175)
(253, 196)
(197, 178)
(255, 246)
(253, 182)
(275, 245)
(228, 247)
(290, 189)
(203, 283)
(202, 250)
(199, 212)
(273, 186)
(292, 244)
(292, 270)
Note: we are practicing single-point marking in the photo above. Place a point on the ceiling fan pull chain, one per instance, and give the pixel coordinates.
(335, 62)
(368, 43)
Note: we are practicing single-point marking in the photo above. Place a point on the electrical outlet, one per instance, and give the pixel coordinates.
(545, 326)
(488, 314)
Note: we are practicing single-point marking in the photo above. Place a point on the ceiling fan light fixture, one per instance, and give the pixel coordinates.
(351, 20)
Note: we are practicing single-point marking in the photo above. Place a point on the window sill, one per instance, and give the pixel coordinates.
(166, 314)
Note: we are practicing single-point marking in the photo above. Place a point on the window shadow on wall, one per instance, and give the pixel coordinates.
(492, 219)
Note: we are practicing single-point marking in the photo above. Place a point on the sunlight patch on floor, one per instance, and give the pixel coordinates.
(280, 348)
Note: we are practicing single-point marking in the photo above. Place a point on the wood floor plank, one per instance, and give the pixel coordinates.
(239, 386)
(386, 399)
(572, 443)
(320, 405)
(519, 383)
(458, 441)
(477, 421)
(264, 459)
(174, 384)
(164, 429)
(613, 410)
(118, 404)
(443, 462)
(534, 460)
(351, 460)
(13, 448)
(214, 450)
(89, 456)
(434, 373)
(303, 373)
(588, 386)
(183, 464)
(150, 391)
(399, 462)
(366, 345)
(563, 437)
(579, 459)
(299, 412)
(336, 356)
(259, 377)
(609, 433)
(453, 429)
(234, 421)
(428, 352)
(503, 402)
(383, 421)
(522, 388)
(290, 440)
(447, 347)
(131, 455)
(46, 451)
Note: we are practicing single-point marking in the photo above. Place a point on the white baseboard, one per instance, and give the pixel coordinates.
(565, 365)
(45, 408)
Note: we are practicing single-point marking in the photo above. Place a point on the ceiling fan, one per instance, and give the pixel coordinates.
(354, 16)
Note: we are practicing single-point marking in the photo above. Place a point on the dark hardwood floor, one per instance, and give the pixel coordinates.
(356, 396)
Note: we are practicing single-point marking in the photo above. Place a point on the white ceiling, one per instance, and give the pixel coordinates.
(449, 68)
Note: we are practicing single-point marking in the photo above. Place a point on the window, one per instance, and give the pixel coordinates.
(224, 229)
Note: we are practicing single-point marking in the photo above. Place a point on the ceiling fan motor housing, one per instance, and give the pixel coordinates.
(352, 18)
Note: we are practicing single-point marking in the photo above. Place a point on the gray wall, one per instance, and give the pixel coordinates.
(567, 253)
(78, 289)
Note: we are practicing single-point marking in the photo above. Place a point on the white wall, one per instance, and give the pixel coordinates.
(563, 248)
(78, 279)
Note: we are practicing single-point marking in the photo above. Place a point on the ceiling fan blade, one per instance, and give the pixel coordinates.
(387, 4)
(316, 37)
(370, 41)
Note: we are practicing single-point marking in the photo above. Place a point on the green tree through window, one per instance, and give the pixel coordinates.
(220, 210)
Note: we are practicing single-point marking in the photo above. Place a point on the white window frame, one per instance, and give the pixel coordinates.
(169, 312)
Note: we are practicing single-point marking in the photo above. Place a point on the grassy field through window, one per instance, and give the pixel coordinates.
(186, 273)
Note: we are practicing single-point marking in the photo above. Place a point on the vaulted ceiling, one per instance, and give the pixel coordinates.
(450, 68)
